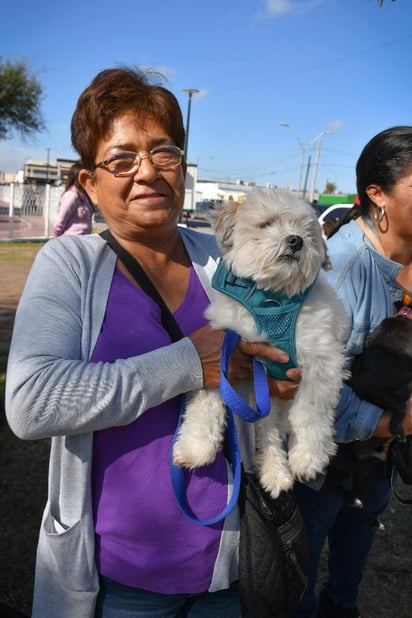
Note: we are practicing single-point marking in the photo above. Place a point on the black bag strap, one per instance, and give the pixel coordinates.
(136, 270)
(172, 327)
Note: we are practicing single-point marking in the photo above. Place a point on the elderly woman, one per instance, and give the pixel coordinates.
(372, 268)
(92, 366)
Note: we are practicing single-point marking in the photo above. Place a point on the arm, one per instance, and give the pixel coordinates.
(360, 420)
(382, 429)
(68, 205)
(359, 285)
(356, 419)
(52, 388)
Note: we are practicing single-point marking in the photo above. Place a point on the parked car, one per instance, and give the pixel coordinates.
(332, 215)
(202, 208)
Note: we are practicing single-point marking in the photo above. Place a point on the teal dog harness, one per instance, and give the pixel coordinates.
(274, 314)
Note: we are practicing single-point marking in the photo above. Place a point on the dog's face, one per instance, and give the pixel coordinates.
(273, 239)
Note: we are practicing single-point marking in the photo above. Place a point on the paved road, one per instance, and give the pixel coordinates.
(33, 226)
(22, 226)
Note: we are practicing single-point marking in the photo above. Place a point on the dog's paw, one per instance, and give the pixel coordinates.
(306, 465)
(274, 478)
(276, 484)
(193, 455)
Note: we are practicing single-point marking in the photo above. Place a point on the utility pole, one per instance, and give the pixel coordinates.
(190, 92)
(48, 161)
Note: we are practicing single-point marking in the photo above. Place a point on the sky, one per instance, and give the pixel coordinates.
(338, 69)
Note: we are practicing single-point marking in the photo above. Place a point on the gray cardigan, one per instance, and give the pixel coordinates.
(53, 391)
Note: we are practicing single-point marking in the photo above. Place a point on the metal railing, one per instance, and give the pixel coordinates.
(27, 212)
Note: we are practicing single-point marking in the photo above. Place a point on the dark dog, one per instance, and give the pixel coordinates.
(382, 374)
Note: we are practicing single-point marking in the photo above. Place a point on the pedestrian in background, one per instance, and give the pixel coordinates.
(75, 209)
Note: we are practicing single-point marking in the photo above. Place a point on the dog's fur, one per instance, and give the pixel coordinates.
(381, 374)
(258, 241)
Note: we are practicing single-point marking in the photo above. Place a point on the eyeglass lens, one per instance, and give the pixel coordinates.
(161, 158)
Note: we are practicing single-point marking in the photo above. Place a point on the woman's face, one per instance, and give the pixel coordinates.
(148, 200)
(398, 206)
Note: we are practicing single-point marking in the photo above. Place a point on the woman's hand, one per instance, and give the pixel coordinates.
(208, 344)
(382, 429)
(286, 389)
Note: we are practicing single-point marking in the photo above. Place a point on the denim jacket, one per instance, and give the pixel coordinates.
(365, 281)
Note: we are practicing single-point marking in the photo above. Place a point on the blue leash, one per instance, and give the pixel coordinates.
(234, 403)
(178, 475)
(231, 398)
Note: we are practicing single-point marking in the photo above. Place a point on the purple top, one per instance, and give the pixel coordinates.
(142, 538)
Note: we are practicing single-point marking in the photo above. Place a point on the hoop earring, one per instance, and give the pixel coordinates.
(379, 215)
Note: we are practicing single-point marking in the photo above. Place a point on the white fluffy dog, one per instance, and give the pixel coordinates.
(274, 242)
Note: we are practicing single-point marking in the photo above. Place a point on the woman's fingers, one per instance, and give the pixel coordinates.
(265, 350)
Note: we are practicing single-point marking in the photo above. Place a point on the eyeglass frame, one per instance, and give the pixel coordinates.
(138, 157)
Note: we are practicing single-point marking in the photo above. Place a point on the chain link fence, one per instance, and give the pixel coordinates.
(27, 212)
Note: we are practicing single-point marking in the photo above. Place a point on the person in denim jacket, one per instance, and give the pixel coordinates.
(371, 268)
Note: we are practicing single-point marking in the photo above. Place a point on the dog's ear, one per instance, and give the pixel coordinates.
(326, 264)
(222, 220)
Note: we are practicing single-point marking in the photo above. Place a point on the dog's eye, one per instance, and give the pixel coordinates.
(263, 224)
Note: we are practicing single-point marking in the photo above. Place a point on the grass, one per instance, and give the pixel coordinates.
(23, 488)
(9, 253)
(23, 480)
(14, 251)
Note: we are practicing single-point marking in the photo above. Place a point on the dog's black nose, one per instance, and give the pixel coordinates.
(295, 243)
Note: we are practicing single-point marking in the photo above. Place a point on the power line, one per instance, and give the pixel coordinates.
(314, 67)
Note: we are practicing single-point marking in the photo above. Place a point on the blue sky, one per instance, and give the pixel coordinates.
(342, 66)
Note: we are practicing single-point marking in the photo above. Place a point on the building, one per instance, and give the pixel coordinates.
(38, 172)
(225, 190)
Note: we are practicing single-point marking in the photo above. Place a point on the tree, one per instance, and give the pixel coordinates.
(330, 187)
(20, 97)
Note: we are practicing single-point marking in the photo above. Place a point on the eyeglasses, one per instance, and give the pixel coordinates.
(127, 163)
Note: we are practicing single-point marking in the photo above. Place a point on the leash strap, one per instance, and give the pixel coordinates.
(177, 474)
(234, 403)
(231, 398)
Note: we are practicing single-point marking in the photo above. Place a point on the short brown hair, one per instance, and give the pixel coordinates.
(114, 92)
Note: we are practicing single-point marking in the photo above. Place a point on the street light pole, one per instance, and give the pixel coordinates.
(48, 161)
(190, 92)
(315, 169)
(303, 148)
(306, 178)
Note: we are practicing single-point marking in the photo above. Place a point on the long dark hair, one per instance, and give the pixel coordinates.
(384, 160)
(73, 177)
